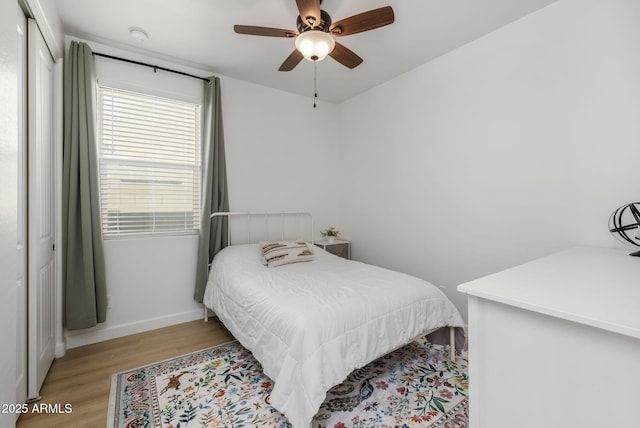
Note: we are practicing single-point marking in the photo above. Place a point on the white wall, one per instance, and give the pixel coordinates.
(281, 152)
(499, 152)
(511, 147)
(8, 203)
(275, 154)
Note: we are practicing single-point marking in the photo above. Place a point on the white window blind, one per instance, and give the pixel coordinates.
(149, 164)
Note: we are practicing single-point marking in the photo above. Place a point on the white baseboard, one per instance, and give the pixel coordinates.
(61, 349)
(101, 333)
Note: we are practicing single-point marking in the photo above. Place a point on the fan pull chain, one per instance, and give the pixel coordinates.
(315, 83)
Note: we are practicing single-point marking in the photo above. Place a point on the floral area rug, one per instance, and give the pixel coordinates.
(224, 386)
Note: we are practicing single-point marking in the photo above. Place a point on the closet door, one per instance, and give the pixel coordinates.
(41, 278)
(21, 308)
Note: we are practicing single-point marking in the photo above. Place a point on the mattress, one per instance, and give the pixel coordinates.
(311, 324)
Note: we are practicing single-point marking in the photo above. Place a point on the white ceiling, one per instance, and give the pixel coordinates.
(199, 33)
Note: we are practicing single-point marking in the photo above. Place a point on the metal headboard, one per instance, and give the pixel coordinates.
(260, 225)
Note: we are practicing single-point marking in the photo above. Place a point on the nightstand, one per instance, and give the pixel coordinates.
(340, 247)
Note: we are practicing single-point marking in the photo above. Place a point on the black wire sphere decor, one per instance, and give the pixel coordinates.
(624, 224)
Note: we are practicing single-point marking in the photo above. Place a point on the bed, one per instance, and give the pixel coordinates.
(312, 323)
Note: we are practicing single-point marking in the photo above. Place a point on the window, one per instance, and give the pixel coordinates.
(149, 164)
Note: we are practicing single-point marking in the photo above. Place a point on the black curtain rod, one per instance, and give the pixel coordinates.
(155, 67)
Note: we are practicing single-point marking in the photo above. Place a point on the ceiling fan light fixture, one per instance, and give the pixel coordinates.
(315, 45)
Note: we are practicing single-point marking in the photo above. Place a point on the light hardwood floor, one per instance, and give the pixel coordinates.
(82, 377)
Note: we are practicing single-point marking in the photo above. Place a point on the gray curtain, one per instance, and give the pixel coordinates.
(213, 233)
(84, 285)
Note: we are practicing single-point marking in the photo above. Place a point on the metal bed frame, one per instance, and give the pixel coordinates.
(266, 233)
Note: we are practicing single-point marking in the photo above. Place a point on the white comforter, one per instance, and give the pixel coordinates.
(310, 324)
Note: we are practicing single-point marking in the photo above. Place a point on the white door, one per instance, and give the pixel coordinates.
(41, 278)
(21, 309)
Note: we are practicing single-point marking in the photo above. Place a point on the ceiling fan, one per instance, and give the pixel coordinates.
(315, 35)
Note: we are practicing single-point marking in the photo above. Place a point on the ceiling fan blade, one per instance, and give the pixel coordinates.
(309, 11)
(365, 21)
(345, 56)
(291, 61)
(263, 31)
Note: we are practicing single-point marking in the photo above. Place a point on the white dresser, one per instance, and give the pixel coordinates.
(556, 342)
